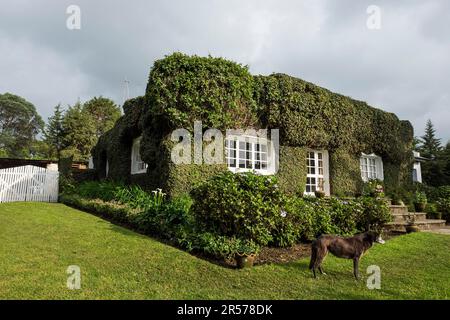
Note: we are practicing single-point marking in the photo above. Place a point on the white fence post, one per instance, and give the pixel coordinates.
(29, 183)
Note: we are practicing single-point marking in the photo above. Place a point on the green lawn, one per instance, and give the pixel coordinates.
(39, 241)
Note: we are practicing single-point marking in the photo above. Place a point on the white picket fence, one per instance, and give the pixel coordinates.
(28, 183)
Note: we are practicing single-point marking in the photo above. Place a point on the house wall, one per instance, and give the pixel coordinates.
(224, 95)
(292, 171)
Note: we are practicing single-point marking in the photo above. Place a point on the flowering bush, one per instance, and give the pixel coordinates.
(251, 207)
(247, 206)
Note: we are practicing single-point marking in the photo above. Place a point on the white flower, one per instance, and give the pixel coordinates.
(283, 214)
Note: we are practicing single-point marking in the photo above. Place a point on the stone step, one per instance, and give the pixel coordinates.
(423, 225)
(398, 209)
(402, 217)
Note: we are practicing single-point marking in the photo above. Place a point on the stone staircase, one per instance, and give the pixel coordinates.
(401, 218)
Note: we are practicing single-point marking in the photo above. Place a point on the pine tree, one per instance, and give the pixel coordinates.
(431, 146)
(54, 132)
(80, 133)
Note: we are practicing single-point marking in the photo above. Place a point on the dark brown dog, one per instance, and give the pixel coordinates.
(348, 248)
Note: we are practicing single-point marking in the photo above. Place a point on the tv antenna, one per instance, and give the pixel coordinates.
(126, 90)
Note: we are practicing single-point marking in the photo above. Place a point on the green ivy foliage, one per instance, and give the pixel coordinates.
(182, 89)
(223, 94)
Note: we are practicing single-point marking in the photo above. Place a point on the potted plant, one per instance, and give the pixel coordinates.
(396, 199)
(411, 226)
(319, 194)
(420, 201)
(246, 252)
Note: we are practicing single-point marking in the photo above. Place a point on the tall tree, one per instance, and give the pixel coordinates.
(54, 132)
(446, 163)
(433, 169)
(19, 125)
(80, 133)
(105, 113)
(431, 146)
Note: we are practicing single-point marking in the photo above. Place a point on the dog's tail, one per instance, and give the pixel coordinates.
(313, 255)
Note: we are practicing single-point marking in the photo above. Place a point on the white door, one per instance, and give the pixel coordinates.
(317, 177)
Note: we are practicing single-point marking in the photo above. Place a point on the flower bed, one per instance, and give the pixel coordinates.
(228, 215)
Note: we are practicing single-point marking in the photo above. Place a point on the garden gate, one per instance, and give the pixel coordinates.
(28, 183)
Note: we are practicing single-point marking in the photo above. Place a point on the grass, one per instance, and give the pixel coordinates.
(39, 241)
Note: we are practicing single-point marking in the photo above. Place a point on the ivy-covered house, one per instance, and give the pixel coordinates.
(326, 140)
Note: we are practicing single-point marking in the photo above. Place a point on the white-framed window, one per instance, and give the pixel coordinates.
(247, 153)
(137, 165)
(317, 176)
(371, 167)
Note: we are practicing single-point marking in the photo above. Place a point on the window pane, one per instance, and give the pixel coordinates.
(320, 184)
(263, 148)
(320, 163)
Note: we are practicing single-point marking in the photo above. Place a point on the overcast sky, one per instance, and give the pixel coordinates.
(403, 67)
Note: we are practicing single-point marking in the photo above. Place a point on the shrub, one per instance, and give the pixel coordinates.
(136, 197)
(97, 190)
(166, 219)
(344, 215)
(133, 196)
(246, 206)
(373, 215)
(222, 246)
(420, 197)
(314, 217)
(113, 210)
(443, 206)
(310, 217)
(442, 192)
(66, 184)
(432, 211)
